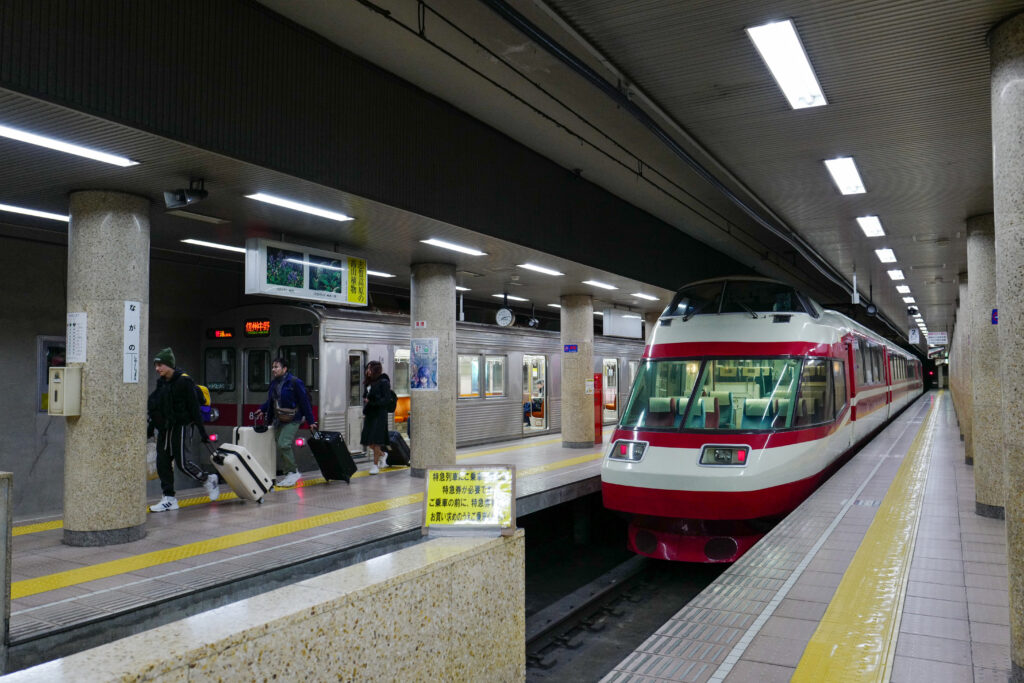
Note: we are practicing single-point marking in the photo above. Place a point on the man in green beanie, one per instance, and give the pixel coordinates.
(174, 413)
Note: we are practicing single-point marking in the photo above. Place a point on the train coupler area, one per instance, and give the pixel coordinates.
(694, 540)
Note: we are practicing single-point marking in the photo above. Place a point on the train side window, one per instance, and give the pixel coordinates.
(257, 370)
(494, 376)
(219, 369)
(815, 398)
(469, 376)
(839, 382)
(301, 363)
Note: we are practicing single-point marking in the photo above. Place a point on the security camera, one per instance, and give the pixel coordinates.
(533, 322)
(912, 310)
(179, 199)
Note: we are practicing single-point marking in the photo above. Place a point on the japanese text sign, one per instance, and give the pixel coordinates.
(470, 500)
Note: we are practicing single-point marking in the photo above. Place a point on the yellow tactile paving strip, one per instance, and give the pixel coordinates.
(20, 589)
(856, 638)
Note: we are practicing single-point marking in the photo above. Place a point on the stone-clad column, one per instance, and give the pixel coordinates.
(432, 311)
(577, 368)
(1007, 68)
(986, 383)
(966, 398)
(104, 467)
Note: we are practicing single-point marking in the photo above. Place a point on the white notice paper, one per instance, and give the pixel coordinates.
(588, 387)
(76, 338)
(131, 342)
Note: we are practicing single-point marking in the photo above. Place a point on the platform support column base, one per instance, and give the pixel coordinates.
(90, 539)
(990, 511)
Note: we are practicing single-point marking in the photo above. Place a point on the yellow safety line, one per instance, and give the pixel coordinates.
(856, 638)
(72, 577)
(33, 528)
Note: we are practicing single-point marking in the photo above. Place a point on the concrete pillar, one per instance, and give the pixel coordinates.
(1007, 67)
(986, 383)
(577, 368)
(940, 376)
(104, 463)
(432, 311)
(6, 527)
(966, 398)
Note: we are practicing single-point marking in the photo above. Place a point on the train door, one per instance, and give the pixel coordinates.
(257, 382)
(535, 405)
(354, 413)
(611, 389)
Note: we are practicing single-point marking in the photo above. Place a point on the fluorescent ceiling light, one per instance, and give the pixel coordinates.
(896, 274)
(638, 295)
(298, 206)
(377, 273)
(632, 315)
(453, 247)
(909, 300)
(197, 216)
(555, 305)
(602, 285)
(871, 226)
(66, 147)
(844, 175)
(598, 312)
(462, 289)
(886, 255)
(783, 53)
(510, 297)
(540, 269)
(33, 212)
(214, 245)
(903, 289)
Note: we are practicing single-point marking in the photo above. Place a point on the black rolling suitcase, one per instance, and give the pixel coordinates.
(332, 455)
(397, 450)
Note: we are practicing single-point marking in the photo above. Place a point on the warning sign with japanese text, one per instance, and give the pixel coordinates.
(470, 500)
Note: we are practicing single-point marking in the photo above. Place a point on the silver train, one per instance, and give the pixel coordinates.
(509, 378)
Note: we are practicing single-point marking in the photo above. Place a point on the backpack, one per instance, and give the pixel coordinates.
(391, 400)
(203, 398)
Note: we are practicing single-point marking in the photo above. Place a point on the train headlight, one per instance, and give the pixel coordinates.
(724, 455)
(629, 451)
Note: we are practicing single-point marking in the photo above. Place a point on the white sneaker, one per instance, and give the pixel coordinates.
(166, 503)
(289, 479)
(211, 486)
(374, 469)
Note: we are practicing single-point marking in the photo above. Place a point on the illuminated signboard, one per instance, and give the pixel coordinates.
(220, 333)
(293, 271)
(257, 328)
(470, 500)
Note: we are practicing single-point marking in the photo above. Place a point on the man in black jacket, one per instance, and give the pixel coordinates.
(174, 413)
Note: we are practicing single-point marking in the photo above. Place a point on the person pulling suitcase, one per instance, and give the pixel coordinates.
(287, 405)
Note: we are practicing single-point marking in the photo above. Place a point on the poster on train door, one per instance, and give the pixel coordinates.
(423, 365)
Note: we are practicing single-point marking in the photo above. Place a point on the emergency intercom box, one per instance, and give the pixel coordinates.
(65, 389)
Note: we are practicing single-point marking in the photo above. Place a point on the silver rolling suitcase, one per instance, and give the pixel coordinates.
(262, 446)
(241, 472)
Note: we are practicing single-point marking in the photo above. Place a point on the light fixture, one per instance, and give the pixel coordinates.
(871, 226)
(783, 53)
(377, 273)
(601, 313)
(214, 245)
(510, 297)
(298, 206)
(909, 300)
(539, 269)
(638, 295)
(903, 289)
(459, 288)
(632, 316)
(886, 255)
(845, 175)
(33, 212)
(555, 305)
(896, 274)
(454, 247)
(602, 285)
(66, 147)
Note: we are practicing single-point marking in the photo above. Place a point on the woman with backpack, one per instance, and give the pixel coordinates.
(376, 401)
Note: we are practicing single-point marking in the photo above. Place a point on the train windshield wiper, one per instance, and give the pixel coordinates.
(748, 309)
(693, 312)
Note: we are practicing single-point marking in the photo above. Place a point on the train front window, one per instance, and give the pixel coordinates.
(748, 296)
(689, 301)
(660, 394)
(748, 394)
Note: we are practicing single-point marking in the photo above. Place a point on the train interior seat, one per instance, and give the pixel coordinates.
(402, 409)
(724, 407)
(712, 417)
(726, 373)
(758, 413)
(695, 419)
(659, 412)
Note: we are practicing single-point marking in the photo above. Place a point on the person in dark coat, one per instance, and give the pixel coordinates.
(375, 414)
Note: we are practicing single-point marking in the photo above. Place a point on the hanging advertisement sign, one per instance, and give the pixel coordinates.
(938, 338)
(423, 365)
(295, 272)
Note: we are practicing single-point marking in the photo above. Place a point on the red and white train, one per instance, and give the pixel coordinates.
(749, 395)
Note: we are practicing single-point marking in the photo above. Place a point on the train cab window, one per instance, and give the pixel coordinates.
(469, 376)
(301, 363)
(494, 376)
(219, 370)
(751, 296)
(688, 302)
(660, 394)
(257, 370)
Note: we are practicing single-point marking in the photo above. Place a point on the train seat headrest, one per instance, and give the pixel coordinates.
(681, 403)
(758, 407)
(660, 404)
(710, 404)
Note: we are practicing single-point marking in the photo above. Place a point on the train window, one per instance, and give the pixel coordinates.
(469, 376)
(494, 376)
(690, 301)
(296, 330)
(660, 394)
(859, 364)
(400, 382)
(750, 296)
(747, 394)
(815, 402)
(839, 382)
(301, 363)
(219, 370)
(257, 370)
